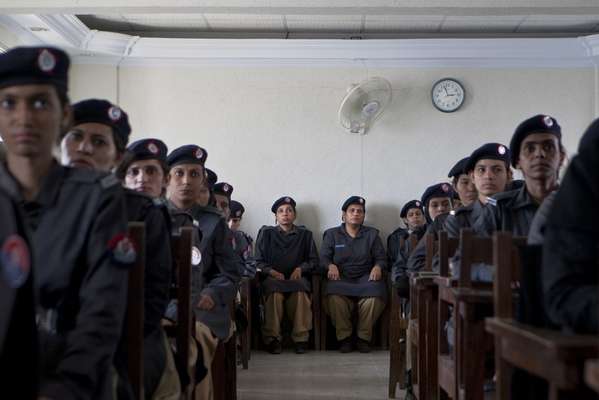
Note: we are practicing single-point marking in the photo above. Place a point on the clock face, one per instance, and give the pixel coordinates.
(448, 95)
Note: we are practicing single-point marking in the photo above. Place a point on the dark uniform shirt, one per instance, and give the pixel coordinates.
(283, 252)
(418, 257)
(463, 217)
(243, 246)
(570, 256)
(393, 244)
(355, 258)
(157, 279)
(18, 333)
(218, 272)
(511, 211)
(399, 273)
(78, 221)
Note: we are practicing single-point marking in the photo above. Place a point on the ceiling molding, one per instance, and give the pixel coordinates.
(91, 46)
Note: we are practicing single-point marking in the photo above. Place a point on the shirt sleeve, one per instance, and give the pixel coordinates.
(260, 253)
(312, 263)
(570, 256)
(223, 286)
(378, 253)
(327, 250)
(91, 344)
(157, 270)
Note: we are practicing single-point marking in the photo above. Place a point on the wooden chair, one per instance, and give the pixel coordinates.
(591, 374)
(380, 330)
(318, 315)
(461, 375)
(224, 366)
(398, 326)
(135, 311)
(183, 329)
(555, 357)
(246, 336)
(424, 334)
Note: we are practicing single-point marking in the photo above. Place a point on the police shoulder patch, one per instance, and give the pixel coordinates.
(122, 249)
(15, 261)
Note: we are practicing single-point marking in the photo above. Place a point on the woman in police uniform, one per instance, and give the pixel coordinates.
(354, 258)
(286, 255)
(97, 141)
(78, 229)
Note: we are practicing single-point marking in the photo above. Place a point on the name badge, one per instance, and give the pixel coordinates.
(339, 246)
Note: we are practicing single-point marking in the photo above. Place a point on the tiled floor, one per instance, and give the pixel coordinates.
(315, 376)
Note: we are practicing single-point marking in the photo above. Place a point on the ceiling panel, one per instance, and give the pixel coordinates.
(486, 24)
(168, 21)
(559, 23)
(245, 22)
(402, 23)
(324, 23)
(106, 22)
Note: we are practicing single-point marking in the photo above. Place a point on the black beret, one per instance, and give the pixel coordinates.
(280, 201)
(223, 188)
(537, 124)
(237, 209)
(458, 168)
(148, 149)
(438, 190)
(488, 151)
(34, 65)
(353, 200)
(102, 112)
(211, 177)
(188, 154)
(408, 206)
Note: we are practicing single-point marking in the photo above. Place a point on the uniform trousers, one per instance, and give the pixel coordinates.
(299, 311)
(340, 308)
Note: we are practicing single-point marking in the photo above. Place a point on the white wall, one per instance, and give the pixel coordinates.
(274, 131)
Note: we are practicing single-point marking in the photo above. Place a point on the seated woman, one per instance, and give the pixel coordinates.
(354, 258)
(244, 243)
(286, 254)
(97, 141)
(77, 224)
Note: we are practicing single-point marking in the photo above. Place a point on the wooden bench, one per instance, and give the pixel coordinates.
(555, 357)
(461, 374)
(398, 325)
(246, 336)
(224, 366)
(135, 311)
(183, 329)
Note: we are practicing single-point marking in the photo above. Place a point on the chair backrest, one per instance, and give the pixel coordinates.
(517, 265)
(135, 310)
(473, 250)
(181, 243)
(413, 241)
(431, 250)
(447, 248)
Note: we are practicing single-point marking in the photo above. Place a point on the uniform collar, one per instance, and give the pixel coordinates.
(523, 199)
(342, 228)
(293, 230)
(51, 184)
